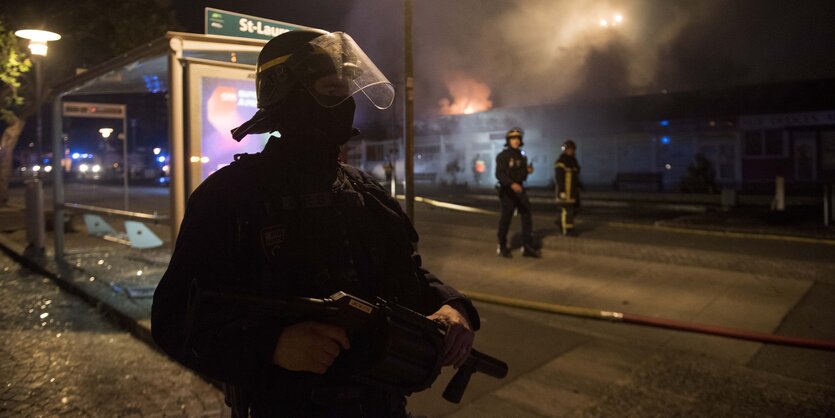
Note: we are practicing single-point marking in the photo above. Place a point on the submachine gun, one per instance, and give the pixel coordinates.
(391, 345)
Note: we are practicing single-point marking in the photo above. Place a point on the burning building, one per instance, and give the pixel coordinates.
(749, 134)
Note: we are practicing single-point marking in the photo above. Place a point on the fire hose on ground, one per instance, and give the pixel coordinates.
(652, 321)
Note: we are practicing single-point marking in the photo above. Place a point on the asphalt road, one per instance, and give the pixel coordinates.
(568, 366)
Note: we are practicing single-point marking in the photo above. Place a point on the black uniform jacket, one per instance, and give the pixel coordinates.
(511, 167)
(247, 227)
(567, 175)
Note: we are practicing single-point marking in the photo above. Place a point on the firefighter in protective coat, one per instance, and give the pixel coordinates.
(292, 221)
(567, 176)
(512, 170)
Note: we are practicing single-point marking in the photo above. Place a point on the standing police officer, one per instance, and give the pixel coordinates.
(567, 175)
(292, 221)
(512, 170)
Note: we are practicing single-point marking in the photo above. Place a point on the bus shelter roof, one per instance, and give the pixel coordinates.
(145, 69)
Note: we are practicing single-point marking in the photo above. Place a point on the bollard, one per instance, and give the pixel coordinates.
(728, 198)
(831, 201)
(35, 224)
(779, 194)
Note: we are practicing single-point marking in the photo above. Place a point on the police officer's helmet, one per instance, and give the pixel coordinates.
(330, 66)
(569, 144)
(514, 133)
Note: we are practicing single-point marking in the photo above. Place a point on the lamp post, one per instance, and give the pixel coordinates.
(409, 128)
(105, 134)
(38, 47)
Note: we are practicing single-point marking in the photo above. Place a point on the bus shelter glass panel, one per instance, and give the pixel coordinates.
(220, 98)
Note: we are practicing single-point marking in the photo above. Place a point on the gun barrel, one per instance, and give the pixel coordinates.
(486, 364)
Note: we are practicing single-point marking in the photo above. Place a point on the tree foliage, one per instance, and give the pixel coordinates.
(15, 101)
(93, 31)
(15, 63)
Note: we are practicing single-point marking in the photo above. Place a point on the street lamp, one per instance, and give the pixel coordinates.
(105, 132)
(37, 40)
(37, 45)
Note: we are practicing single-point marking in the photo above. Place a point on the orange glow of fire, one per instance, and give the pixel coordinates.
(468, 96)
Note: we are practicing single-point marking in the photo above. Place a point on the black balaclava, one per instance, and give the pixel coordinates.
(307, 152)
(299, 115)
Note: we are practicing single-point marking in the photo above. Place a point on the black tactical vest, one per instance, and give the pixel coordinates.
(353, 238)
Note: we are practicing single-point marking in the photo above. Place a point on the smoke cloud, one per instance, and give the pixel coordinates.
(540, 51)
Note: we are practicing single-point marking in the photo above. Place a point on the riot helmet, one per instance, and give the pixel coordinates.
(330, 67)
(514, 133)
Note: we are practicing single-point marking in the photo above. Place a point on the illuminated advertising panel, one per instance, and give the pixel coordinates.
(221, 98)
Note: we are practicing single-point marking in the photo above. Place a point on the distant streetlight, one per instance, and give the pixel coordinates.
(105, 132)
(37, 45)
(616, 20)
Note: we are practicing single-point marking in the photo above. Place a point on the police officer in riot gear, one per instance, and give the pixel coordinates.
(293, 221)
(567, 176)
(512, 170)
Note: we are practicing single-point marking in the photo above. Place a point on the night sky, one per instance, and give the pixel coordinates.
(517, 52)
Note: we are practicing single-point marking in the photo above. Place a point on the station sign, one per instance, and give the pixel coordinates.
(782, 120)
(94, 110)
(238, 25)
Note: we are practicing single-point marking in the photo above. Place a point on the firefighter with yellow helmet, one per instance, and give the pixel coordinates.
(567, 176)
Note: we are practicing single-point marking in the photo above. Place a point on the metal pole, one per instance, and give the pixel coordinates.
(780, 193)
(58, 178)
(176, 137)
(409, 107)
(35, 230)
(39, 61)
(827, 211)
(125, 150)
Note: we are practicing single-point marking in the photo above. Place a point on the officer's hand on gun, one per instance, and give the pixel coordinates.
(314, 346)
(530, 168)
(459, 336)
(516, 187)
(310, 347)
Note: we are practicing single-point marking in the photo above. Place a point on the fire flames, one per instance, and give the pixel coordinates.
(468, 96)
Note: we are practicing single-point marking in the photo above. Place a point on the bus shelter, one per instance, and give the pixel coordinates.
(209, 85)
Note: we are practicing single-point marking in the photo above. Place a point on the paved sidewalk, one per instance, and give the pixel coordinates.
(59, 357)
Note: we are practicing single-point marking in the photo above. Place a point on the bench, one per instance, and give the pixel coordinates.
(425, 177)
(638, 181)
(137, 235)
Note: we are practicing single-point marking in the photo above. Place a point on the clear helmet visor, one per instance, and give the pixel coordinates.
(334, 68)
